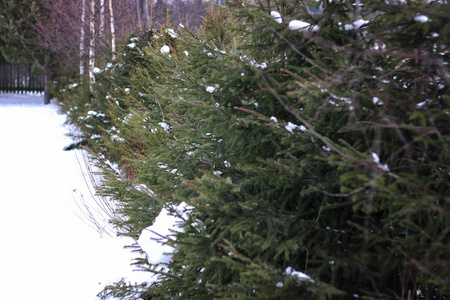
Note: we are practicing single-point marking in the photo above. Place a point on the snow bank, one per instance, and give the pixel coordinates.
(152, 238)
(48, 252)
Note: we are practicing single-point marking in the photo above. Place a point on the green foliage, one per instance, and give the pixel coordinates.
(20, 43)
(11, 34)
(318, 151)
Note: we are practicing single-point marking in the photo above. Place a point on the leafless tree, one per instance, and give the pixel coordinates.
(143, 14)
(64, 24)
(76, 31)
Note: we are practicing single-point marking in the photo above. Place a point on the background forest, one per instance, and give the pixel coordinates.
(303, 147)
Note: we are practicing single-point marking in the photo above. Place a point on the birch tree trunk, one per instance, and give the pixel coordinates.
(113, 31)
(82, 37)
(92, 44)
(102, 18)
(138, 13)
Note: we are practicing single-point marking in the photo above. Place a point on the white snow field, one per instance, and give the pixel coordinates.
(46, 251)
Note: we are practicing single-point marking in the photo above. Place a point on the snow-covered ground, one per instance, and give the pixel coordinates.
(47, 251)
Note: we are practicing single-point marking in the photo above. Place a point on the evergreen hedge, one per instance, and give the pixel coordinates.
(314, 161)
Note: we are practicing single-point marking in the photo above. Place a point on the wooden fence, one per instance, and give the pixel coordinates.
(20, 79)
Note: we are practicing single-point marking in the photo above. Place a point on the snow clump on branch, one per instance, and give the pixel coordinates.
(300, 276)
(302, 26)
(355, 25)
(276, 16)
(165, 49)
(291, 126)
(210, 89)
(421, 18)
(172, 33)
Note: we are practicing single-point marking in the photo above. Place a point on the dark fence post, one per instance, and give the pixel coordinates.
(47, 95)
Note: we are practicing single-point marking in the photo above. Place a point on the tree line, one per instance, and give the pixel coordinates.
(63, 37)
(302, 145)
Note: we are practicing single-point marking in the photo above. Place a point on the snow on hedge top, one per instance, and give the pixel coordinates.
(301, 26)
(152, 238)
